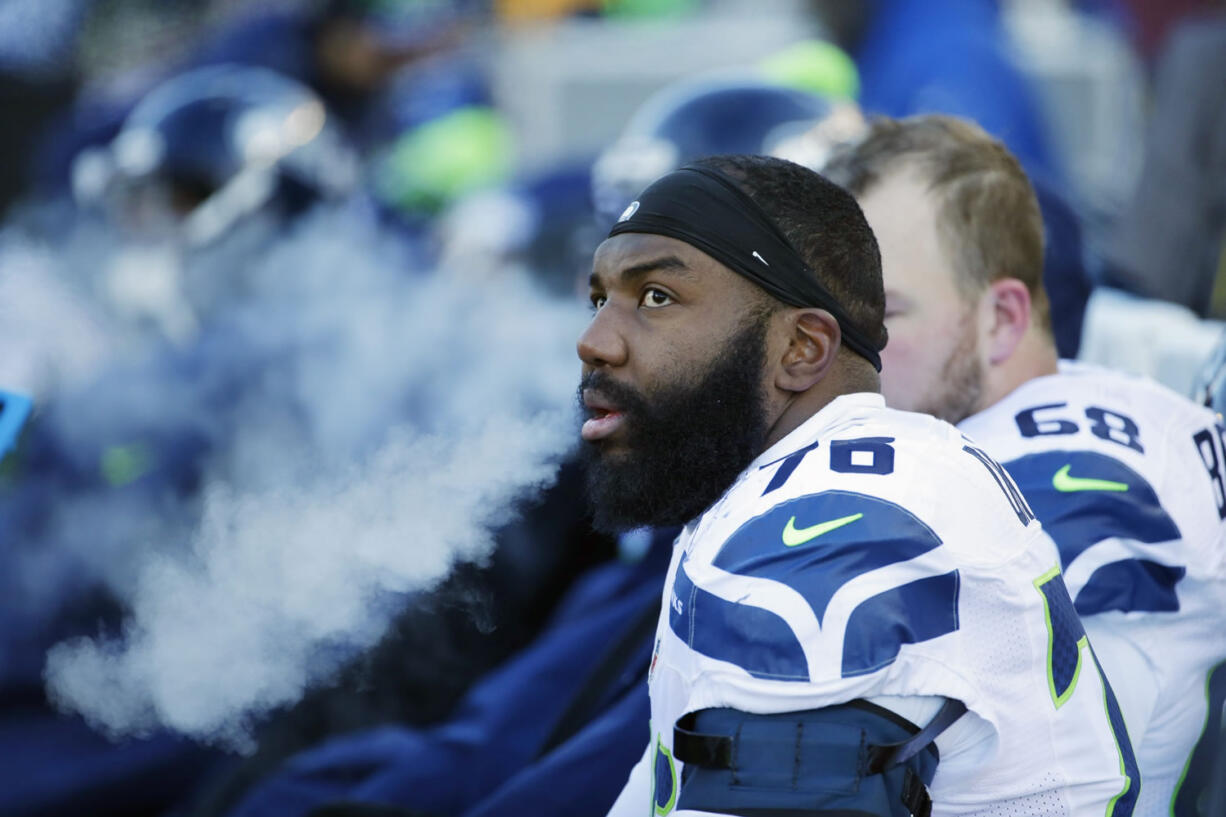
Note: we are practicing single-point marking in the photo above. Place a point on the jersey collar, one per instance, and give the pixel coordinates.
(846, 409)
(1067, 368)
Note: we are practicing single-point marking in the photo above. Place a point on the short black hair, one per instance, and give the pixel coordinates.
(824, 224)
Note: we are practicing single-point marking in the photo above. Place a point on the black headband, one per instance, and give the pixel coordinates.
(707, 210)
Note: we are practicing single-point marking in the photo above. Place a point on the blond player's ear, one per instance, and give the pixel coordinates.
(1007, 317)
(813, 343)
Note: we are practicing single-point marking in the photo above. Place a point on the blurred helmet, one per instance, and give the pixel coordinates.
(210, 146)
(819, 66)
(464, 150)
(1210, 384)
(695, 118)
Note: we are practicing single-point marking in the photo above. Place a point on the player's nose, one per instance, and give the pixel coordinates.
(601, 344)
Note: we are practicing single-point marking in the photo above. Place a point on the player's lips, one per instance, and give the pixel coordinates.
(605, 420)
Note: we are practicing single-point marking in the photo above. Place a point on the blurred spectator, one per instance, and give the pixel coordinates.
(1169, 242)
(1149, 23)
(405, 82)
(350, 52)
(26, 105)
(941, 56)
(36, 80)
(346, 51)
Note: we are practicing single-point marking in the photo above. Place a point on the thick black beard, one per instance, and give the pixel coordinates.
(686, 444)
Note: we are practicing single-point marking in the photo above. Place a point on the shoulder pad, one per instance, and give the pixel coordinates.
(856, 758)
(1083, 498)
(820, 543)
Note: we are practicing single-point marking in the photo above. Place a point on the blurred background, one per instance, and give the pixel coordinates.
(288, 298)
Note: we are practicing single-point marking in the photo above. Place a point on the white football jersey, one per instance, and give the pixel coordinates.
(1129, 479)
(879, 554)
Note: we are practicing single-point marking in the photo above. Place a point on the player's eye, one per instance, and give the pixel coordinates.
(654, 298)
(597, 302)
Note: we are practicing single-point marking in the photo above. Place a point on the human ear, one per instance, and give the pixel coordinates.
(813, 342)
(1008, 318)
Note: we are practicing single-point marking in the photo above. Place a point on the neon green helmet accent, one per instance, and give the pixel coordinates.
(649, 8)
(456, 153)
(124, 464)
(816, 66)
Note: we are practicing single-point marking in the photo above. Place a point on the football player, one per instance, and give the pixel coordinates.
(1127, 477)
(861, 615)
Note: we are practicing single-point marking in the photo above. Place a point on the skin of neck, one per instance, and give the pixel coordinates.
(801, 408)
(814, 370)
(1014, 348)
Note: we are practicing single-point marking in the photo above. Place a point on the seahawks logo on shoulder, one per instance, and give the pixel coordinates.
(824, 547)
(1084, 498)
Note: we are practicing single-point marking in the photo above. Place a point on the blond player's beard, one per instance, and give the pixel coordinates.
(959, 388)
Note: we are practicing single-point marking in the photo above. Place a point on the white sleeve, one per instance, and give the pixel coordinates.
(635, 799)
(1129, 672)
(965, 745)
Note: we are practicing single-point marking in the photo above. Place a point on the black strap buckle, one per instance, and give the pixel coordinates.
(889, 755)
(708, 751)
(915, 796)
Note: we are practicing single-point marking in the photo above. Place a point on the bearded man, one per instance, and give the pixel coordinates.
(861, 615)
(1126, 476)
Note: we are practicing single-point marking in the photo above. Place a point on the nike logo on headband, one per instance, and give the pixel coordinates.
(760, 258)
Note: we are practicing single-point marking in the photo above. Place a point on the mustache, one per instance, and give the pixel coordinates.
(628, 400)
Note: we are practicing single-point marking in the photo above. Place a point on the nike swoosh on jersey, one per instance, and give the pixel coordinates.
(792, 536)
(1064, 483)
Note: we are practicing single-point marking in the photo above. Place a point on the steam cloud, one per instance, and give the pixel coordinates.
(40, 355)
(315, 518)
